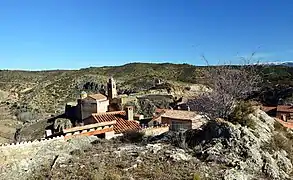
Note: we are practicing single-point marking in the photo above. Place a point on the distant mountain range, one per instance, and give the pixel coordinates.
(284, 63)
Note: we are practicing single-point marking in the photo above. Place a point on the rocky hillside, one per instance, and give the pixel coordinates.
(29, 97)
(47, 91)
(220, 150)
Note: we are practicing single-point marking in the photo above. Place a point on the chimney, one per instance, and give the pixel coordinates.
(129, 112)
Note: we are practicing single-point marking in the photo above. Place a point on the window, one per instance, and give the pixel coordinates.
(175, 125)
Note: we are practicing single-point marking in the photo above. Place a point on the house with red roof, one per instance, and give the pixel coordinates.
(285, 113)
(282, 112)
(124, 121)
(97, 114)
(104, 125)
(177, 119)
(270, 110)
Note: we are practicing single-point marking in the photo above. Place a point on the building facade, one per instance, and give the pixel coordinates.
(285, 113)
(96, 103)
(177, 119)
(282, 112)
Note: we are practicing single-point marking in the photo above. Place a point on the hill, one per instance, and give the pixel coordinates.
(30, 96)
(57, 87)
(46, 90)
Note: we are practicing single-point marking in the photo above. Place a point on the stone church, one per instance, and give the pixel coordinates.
(97, 114)
(89, 104)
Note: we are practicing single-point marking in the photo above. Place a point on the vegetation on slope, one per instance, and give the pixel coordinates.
(48, 91)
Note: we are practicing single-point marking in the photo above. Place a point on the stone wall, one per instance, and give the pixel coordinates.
(153, 131)
(30, 143)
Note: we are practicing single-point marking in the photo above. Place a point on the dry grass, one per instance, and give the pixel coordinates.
(34, 131)
(283, 139)
(102, 163)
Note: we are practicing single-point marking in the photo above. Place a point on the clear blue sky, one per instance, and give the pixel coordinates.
(70, 34)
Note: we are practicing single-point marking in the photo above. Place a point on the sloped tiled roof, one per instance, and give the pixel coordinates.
(268, 108)
(98, 96)
(122, 125)
(177, 114)
(180, 114)
(284, 108)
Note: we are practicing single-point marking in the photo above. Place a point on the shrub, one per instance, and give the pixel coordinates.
(25, 116)
(279, 142)
(187, 88)
(196, 176)
(111, 176)
(132, 137)
(288, 133)
(240, 114)
(61, 124)
(279, 127)
(147, 107)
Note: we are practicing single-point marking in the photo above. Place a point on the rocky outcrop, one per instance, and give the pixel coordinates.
(218, 150)
(244, 151)
(22, 160)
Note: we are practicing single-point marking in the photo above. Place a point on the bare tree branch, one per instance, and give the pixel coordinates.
(229, 83)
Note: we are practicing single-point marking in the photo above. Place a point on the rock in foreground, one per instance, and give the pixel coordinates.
(220, 150)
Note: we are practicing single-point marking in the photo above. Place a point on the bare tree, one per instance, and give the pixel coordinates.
(229, 83)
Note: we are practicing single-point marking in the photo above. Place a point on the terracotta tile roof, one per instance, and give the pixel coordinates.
(122, 125)
(284, 108)
(180, 114)
(268, 108)
(98, 96)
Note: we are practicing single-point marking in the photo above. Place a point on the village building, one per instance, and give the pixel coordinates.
(285, 112)
(92, 104)
(112, 90)
(124, 121)
(270, 110)
(106, 116)
(103, 124)
(282, 112)
(97, 114)
(177, 119)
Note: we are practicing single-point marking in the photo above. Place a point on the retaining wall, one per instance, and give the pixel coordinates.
(153, 131)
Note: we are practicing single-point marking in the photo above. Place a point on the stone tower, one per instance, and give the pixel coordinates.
(112, 91)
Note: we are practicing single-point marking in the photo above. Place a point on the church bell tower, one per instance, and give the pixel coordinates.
(112, 91)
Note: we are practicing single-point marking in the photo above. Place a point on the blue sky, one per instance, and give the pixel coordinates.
(70, 34)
